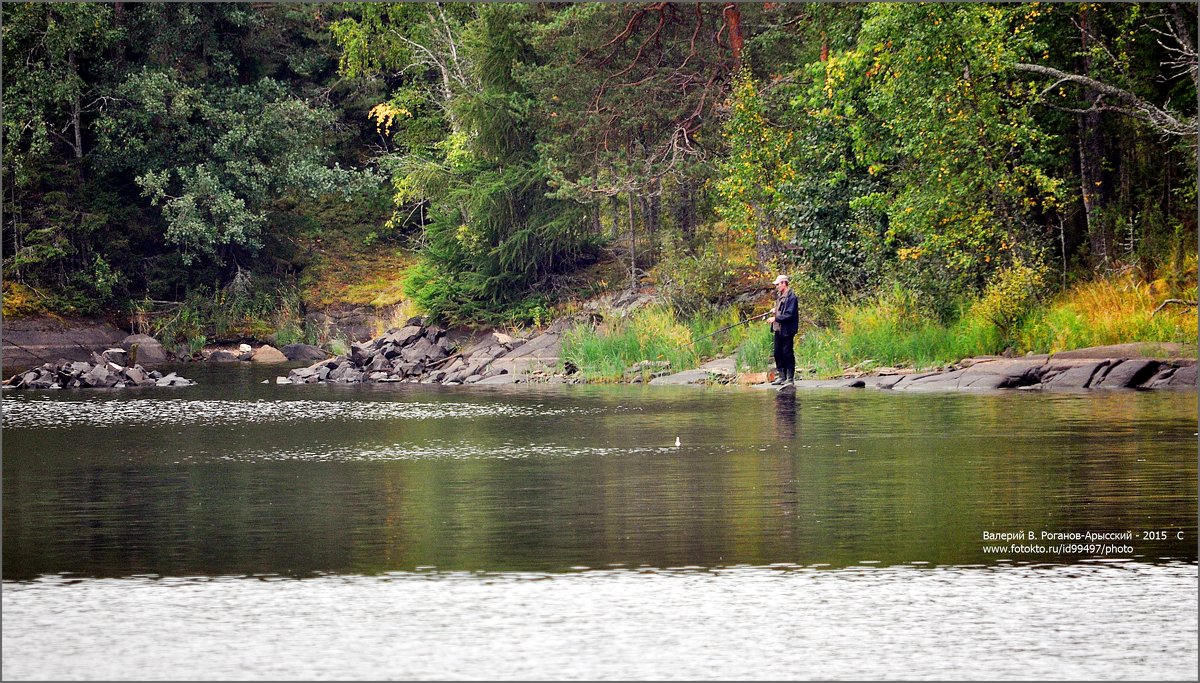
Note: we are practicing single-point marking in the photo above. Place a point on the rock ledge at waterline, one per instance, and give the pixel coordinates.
(1044, 373)
(424, 354)
(105, 371)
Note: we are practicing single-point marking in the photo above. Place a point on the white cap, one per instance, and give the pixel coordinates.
(781, 278)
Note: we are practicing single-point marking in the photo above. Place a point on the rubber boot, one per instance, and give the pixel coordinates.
(780, 378)
(791, 378)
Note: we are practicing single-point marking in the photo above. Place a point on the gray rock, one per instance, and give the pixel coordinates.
(96, 377)
(404, 335)
(222, 356)
(360, 352)
(379, 363)
(118, 356)
(1073, 376)
(1183, 378)
(685, 377)
(303, 352)
(418, 351)
(505, 378)
(144, 350)
(1126, 374)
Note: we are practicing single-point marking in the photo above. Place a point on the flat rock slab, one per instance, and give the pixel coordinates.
(29, 342)
(1075, 376)
(507, 378)
(1127, 374)
(679, 378)
(546, 345)
(721, 366)
(1183, 378)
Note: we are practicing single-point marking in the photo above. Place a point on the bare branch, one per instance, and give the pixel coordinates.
(1160, 119)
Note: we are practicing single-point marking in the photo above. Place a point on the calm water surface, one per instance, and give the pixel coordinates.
(246, 530)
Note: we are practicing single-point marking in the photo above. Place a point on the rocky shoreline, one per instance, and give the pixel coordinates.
(430, 354)
(104, 371)
(427, 354)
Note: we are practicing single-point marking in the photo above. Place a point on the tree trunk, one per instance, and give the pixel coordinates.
(75, 109)
(1091, 158)
(685, 211)
(632, 249)
(733, 18)
(615, 201)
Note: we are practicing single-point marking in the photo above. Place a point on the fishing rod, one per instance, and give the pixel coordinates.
(737, 324)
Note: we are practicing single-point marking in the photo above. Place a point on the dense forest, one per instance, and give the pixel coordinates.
(508, 157)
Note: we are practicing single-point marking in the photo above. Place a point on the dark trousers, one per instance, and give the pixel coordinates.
(785, 355)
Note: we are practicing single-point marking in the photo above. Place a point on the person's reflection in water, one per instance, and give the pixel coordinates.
(785, 415)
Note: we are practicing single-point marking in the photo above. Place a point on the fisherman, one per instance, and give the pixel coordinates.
(785, 321)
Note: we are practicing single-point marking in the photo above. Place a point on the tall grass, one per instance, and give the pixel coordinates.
(653, 333)
(1103, 312)
(888, 332)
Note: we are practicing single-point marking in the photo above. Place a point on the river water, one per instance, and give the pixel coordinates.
(240, 530)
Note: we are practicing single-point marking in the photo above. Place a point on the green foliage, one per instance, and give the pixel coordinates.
(932, 105)
(214, 158)
(691, 282)
(760, 160)
(892, 331)
(656, 334)
(493, 232)
(1010, 296)
(756, 352)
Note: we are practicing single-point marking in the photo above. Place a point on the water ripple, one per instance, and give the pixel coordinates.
(53, 414)
(462, 450)
(1136, 621)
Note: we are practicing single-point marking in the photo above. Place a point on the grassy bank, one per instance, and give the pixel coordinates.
(1100, 313)
(656, 333)
(888, 332)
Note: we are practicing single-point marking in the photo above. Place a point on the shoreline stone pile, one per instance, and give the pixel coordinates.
(104, 371)
(419, 353)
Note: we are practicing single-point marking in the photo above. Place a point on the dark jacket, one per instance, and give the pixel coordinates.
(786, 314)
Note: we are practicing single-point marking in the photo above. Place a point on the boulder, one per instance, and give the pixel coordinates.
(360, 352)
(418, 351)
(1126, 374)
(1001, 374)
(117, 355)
(144, 350)
(96, 377)
(303, 352)
(136, 375)
(1068, 376)
(268, 354)
(379, 363)
(404, 335)
(29, 342)
(1183, 378)
(222, 356)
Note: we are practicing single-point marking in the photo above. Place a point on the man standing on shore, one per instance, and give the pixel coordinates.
(785, 321)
